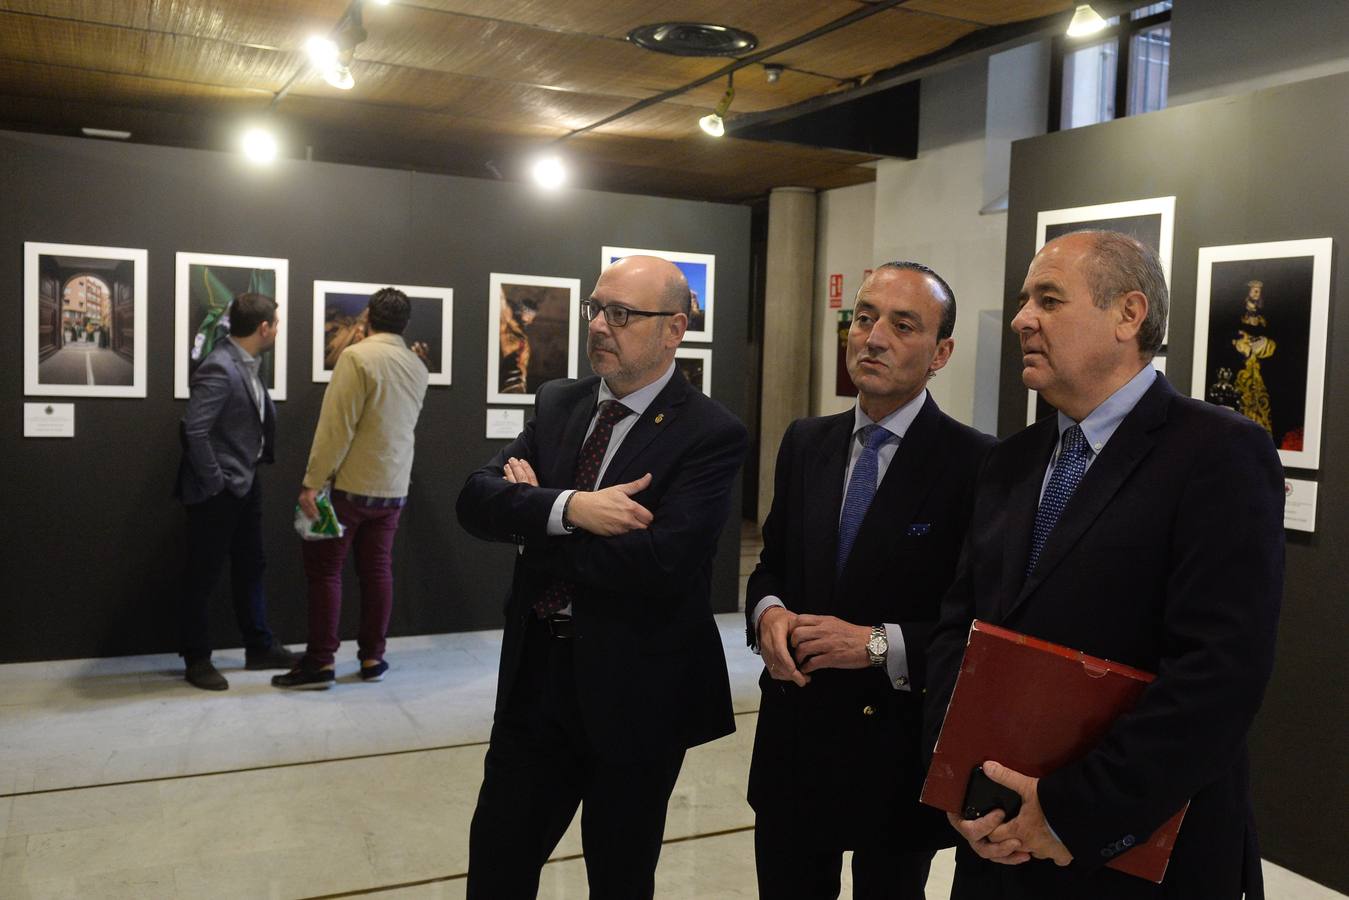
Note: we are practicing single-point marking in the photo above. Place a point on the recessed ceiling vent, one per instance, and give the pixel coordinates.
(692, 39)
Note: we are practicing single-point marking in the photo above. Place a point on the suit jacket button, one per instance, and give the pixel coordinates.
(868, 710)
(1107, 852)
(1128, 840)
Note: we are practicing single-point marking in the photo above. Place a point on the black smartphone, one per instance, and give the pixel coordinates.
(983, 795)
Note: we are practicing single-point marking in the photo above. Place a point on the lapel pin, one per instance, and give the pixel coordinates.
(660, 417)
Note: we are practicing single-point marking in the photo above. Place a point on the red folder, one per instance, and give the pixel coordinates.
(1035, 707)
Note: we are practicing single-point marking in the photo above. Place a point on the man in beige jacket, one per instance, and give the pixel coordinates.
(363, 447)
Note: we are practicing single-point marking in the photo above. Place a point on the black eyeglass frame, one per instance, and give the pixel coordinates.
(620, 312)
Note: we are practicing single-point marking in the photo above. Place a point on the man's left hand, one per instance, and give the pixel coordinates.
(519, 471)
(828, 642)
(1029, 829)
(309, 502)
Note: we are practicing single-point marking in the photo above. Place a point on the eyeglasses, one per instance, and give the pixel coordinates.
(614, 314)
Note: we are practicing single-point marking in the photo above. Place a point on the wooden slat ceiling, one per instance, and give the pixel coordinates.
(472, 87)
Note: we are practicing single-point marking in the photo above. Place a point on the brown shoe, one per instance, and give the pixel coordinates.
(201, 674)
(274, 657)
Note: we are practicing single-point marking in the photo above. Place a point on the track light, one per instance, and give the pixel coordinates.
(323, 52)
(549, 173)
(259, 145)
(339, 76)
(714, 123)
(1085, 21)
(331, 57)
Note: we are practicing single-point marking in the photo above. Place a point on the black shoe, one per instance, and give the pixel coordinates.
(375, 672)
(302, 679)
(201, 674)
(274, 657)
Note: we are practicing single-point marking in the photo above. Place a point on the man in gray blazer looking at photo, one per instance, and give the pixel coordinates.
(229, 428)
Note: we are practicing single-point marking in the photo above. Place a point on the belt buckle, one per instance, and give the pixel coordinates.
(559, 626)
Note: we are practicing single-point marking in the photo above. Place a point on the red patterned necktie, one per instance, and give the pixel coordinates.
(561, 593)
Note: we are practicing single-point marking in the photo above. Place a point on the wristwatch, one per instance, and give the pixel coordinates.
(878, 645)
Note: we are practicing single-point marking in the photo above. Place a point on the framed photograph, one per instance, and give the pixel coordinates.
(698, 268)
(532, 324)
(340, 321)
(205, 283)
(695, 364)
(1152, 221)
(1261, 316)
(83, 321)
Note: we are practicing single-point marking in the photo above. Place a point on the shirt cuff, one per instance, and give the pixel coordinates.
(897, 658)
(555, 527)
(760, 608)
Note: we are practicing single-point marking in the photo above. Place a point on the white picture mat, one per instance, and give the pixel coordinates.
(32, 387)
(703, 353)
(1319, 249)
(445, 295)
(609, 255)
(183, 262)
(497, 280)
(1165, 207)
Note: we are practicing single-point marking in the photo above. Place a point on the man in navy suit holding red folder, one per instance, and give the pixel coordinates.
(1139, 526)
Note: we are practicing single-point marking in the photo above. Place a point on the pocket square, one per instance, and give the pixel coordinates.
(918, 528)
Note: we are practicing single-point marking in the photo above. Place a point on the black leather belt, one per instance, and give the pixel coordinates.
(559, 627)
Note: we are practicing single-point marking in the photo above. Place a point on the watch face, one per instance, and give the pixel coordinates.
(877, 645)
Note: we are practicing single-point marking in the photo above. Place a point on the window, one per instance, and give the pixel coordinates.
(1122, 71)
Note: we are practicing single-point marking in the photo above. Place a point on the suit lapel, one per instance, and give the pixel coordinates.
(1129, 445)
(908, 479)
(823, 475)
(659, 416)
(573, 434)
(244, 377)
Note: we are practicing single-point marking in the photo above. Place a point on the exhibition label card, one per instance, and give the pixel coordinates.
(1299, 504)
(49, 420)
(505, 423)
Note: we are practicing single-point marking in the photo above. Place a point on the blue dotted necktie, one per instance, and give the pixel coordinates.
(861, 491)
(560, 593)
(1068, 471)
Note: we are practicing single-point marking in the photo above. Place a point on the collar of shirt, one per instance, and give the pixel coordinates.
(386, 337)
(641, 398)
(897, 423)
(245, 357)
(1100, 424)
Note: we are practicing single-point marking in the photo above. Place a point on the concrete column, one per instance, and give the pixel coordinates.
(788, 304)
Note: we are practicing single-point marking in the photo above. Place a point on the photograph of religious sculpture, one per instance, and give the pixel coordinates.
(532, 329)
(695, 364)
(698, 268)
(1261, 317)
(1151, 220)
(205, 283)
(340, 321)
(84, 321)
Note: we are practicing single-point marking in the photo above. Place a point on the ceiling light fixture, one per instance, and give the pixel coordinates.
(772, 72)
(714, 124)
(106, 133)
(339, 76)
(549, 173)
(1085, 21)
(323, 52)
(331, 56)
(259, 146)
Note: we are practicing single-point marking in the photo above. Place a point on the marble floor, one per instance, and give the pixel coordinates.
(118, 780)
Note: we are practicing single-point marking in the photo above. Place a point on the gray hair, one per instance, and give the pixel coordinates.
(1119, 264)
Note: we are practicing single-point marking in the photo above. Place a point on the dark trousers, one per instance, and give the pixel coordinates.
(224, 527)
(370, 531)
(793, 868)
(539, 768)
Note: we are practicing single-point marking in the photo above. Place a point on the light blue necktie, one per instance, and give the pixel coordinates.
(1068, 471)
(861, 490)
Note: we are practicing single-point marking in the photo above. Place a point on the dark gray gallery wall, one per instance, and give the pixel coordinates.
(93, 538)
(1266, 166)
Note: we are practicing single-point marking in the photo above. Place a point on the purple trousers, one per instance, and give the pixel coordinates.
(370, 531)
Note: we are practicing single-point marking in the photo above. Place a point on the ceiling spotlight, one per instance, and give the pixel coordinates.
(715, 124)
(382, 2)
(259, 145)
(1085, 21)
(549, 173)
(772, 72)
(323, 52)
(106, 133)
(339, 76)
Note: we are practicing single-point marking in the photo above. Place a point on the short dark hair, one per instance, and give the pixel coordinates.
(389, 310)
(248, 311)
(947, 326)
(1119, 264)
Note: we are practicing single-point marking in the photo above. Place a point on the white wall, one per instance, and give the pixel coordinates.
(844, 237)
